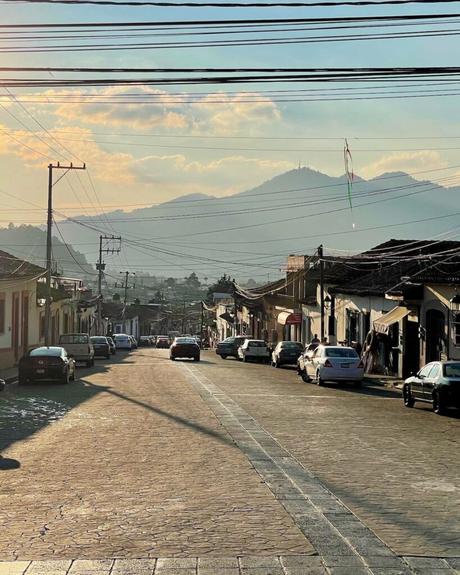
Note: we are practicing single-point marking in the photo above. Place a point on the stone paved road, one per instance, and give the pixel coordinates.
(396, 468)
(129, 462)
(145, 458)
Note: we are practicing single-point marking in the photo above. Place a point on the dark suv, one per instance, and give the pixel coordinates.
(229, 347)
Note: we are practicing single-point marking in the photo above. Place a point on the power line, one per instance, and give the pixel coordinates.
(231, 4)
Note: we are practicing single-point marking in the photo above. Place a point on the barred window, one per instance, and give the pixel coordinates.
(456, 326)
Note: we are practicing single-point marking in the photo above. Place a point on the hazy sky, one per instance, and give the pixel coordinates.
(165, 167)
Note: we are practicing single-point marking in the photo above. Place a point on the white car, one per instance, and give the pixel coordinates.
(122, 341)
(78, 346)
(255, 349)
(334, 363)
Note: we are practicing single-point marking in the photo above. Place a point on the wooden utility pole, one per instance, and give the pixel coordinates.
(100, 266)
(49, 240)
(321, 287)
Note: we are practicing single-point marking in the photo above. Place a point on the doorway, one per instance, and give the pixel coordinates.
(435, 335)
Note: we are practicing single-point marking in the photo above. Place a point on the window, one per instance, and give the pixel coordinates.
(434, 373)
(456, 325)
(42, 326)
(452, 370)
(340, 352)
(2, 314)
(425, 370)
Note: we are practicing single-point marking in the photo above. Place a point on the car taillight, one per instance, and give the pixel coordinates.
(327, 363)
(361, 364)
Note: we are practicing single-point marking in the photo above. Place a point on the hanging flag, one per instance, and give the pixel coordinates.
(348, 159)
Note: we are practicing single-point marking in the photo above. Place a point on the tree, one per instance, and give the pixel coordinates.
(193, 281)
(116, 297)
(223, 285)
(171, 282)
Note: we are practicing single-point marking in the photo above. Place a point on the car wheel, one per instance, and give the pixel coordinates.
(304, 376)
(319, 380)
(223, 356)
(409, 400)
(196, 358)
(172, 358)
(358, 383)
(438, 404)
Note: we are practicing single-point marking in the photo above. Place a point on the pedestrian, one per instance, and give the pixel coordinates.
(315, 339)
(324, 341)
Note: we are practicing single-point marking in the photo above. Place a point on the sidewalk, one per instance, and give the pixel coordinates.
(384, 380)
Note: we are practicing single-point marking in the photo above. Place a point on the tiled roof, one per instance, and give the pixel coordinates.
(12, 267)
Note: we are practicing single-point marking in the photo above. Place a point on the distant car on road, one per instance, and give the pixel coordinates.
(254, 349)
(46, 364)
(332, 363)
(101, 346)
(122, 341)
(229, 347)
(134, 344)
(145, 340)
(185, 347)
(286, 353)
(79, 346)
(437, 383)
(162, 342)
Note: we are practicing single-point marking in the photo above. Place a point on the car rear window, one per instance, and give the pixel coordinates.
(46, 351)
(99, 340)
(452, 370)
(291, 345)
(257, 344)
(74, 338)
(340, 352)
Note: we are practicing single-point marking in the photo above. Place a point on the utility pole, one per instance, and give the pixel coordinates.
(321, 287)
(202, 324)
(49, 240)
(125, 285)
(100, 266)
(183, 318)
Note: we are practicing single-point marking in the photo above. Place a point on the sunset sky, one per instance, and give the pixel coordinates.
(215, 148)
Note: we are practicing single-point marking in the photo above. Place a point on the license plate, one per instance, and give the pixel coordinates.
(344, 365)
(40, 371)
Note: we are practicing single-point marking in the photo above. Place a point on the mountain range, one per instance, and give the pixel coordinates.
(250, 233)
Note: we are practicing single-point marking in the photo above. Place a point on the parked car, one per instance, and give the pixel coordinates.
(101, 346)
(46, 364)
(122, 341)
(134, 344)
(185, 347)
(163, 342)
(254, 349)
(113, 348)
(286, 353)
(229, 347)
(437, 383)
(79, 346)
(332, 363)
(145, 340)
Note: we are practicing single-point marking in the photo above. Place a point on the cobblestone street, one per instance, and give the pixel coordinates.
(223, 468)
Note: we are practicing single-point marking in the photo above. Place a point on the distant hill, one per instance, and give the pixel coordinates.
(29, 243)
(291, 213)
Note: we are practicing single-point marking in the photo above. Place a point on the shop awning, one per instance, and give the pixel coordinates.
(382, 324)
(289, 318)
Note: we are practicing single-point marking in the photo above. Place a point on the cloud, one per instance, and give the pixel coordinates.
(38, 150)
(219, 177)
(403, 162)
(217, 113)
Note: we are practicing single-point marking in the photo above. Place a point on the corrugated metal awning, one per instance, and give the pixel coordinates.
(382, 324)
